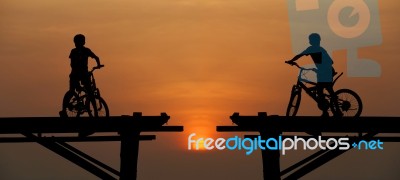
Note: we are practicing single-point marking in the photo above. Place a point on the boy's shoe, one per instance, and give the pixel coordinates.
(63, 114)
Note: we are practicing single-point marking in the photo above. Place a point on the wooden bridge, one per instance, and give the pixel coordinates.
(363, 128)
(130, 127)
(127, 127)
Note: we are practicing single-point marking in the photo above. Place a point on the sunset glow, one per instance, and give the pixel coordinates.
(197, 60)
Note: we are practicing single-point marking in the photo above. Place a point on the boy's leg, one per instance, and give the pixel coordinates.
(334, 99)
(321, 100)
(88, 86)
(73, 84)
(320, 106)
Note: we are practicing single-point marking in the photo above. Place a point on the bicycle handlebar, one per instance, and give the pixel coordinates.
(292, 63)
(312, 69)
(297, 65)
(97, 67)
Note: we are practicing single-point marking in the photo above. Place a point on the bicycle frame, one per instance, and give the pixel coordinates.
(311, 91)
(95, 90)
(86, 97)
(348, 102)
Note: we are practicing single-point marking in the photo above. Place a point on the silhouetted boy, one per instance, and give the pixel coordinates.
(324, 71)
(79, 66)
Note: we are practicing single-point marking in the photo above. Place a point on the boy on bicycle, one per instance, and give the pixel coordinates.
(324, 70)
(79, 67)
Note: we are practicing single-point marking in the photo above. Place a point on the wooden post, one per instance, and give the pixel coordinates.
(130, 151)
(270, 158)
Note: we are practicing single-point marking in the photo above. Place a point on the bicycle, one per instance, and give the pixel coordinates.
(349, 102)
(79, 103)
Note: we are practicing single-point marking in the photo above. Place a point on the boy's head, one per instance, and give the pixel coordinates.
(79, 40)
(314, 39)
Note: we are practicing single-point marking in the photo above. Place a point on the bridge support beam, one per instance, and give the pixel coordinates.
(270, 158)
(129, 155)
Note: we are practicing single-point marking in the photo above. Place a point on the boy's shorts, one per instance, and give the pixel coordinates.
(76, 78)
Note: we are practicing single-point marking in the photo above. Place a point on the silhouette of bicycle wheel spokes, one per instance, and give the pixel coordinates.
(76, 106)
(87, 108)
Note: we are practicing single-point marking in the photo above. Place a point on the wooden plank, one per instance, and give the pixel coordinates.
(74, 125)
(307, 123)
(71, 139)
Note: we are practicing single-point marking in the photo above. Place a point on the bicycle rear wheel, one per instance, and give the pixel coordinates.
(71, 104)
(349, 102)
(294, 102)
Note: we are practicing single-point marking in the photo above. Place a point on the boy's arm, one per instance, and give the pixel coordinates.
(295, 58)
(97, 60)
(92, 55)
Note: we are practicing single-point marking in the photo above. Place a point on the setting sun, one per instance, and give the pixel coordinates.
(199, 145)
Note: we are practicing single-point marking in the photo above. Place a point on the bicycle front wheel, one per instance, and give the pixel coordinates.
(98, 108)
(294, 102)
(349, 103)
(102, 108)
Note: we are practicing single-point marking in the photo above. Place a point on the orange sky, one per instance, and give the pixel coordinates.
(197, 60)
